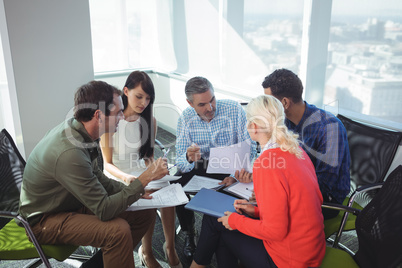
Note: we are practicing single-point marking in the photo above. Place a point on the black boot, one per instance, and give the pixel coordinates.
(96, 261)
(189, 244)
(186, 219)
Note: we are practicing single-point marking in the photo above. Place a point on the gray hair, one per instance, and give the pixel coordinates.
(197, 85)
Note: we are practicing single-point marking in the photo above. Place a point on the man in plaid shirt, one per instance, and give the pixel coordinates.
(322, 136)
(206, 124)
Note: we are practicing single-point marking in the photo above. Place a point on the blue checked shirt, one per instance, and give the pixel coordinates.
(325, 141)
(229, 126)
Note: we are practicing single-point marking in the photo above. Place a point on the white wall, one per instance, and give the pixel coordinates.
(48, 55)
(170, 99)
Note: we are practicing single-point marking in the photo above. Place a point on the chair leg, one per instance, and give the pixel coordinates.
(342, 246)
(35, 242)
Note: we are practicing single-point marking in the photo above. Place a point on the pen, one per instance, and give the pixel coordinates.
(165, 154)
(247, 203)
(172, 166)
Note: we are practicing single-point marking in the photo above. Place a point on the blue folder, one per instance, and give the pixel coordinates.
(211, 202)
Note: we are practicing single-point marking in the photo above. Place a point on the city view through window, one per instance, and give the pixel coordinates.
(364, 60)
(364, 71)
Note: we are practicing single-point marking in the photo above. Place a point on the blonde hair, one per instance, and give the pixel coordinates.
(267, 112)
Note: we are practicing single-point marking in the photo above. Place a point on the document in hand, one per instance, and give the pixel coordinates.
(211, 202)
(198, 182)
(240, 189)
(163, 182)
(226, 160)
(169, 178)
(169, 196)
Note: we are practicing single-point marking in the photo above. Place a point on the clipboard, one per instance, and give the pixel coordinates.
(240, 189)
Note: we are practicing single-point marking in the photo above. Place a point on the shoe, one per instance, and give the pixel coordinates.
(142, 258)
(179, 265)
(189, 245)
(96, 261)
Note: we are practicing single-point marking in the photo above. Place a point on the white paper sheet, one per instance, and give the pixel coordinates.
(170, 196)
(198, 182)
(226, 160)
(155, 185)
(240, 189)
(169, 178)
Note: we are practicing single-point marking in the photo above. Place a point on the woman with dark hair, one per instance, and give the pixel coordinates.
(130, 150)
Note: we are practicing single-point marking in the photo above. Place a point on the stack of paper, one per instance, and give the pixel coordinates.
(198, 182)
(170, 196)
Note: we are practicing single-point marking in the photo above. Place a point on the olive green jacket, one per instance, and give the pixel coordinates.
(62, 175)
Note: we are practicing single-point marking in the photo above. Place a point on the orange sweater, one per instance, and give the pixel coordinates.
(289, 209)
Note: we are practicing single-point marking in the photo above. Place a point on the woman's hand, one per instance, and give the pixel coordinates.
(129, 178)
(252, 198)
(241, 207)
(225, 220)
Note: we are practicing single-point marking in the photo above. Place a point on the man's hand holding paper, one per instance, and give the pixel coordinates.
(244, 176)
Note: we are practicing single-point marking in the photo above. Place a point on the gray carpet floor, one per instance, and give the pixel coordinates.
(349, 239)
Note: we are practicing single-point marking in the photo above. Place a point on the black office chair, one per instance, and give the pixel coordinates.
(372, 151)
(378, 228)
(14, 241)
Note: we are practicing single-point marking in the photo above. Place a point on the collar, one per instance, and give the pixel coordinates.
(270, 145)
(307, 112)
(87, 142)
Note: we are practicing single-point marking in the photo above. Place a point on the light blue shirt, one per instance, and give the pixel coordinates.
(229, 126)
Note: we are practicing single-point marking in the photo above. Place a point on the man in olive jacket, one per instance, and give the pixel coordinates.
(67, 199)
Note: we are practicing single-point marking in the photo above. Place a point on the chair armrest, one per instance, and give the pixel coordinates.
(8, 214)
(339, 207)
(369, 187)
(349, 209)
(363, 189)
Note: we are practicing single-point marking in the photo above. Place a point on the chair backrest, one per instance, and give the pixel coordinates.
(11, 170)
(372, 151)
(379, 226)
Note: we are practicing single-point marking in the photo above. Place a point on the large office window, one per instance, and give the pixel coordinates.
(273, 30)
(5, 109)
(131, 34)
(364, 72)
(236, 43)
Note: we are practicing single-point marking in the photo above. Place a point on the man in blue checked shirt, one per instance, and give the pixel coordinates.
(322, 134)
(206, 124)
